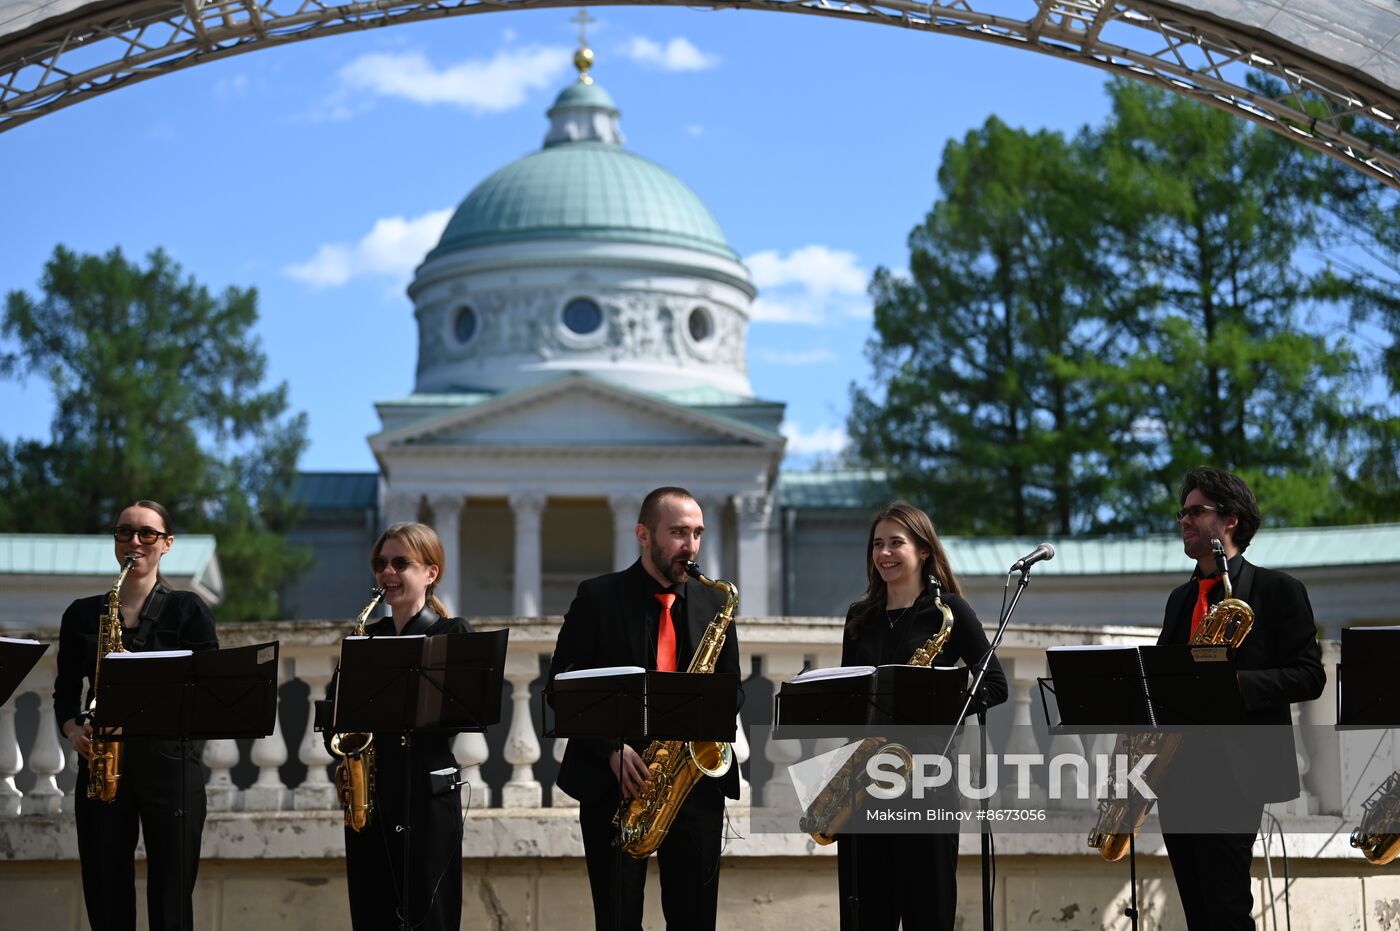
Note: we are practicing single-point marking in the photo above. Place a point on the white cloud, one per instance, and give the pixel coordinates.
(768, 310)
(793, 358)
(695, 129)
(823, 441)
(394, 246)
(806, 284)
(500, 83)
(679, 54)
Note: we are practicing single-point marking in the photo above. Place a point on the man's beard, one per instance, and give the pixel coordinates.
(675, 571)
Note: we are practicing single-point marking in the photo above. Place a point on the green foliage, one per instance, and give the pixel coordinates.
(1083, 320)
(158, 391)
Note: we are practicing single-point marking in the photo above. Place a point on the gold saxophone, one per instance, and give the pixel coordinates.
(676, 765)
(1228, 623)
(105, 756)
(354, 774)
(837, 801)
(1376, 837)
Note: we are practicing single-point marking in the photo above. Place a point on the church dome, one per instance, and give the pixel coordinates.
(583, 185)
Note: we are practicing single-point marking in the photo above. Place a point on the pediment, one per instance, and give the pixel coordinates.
(579, 411)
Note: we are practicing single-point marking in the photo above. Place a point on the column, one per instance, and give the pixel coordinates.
(624, 514)
(400, 506)
(712, 543)
(754, 512)
(527, 510)
(46, 760)
(522, 746)
(316, 792)
(470, 751)
(447, 521)
(11, 762)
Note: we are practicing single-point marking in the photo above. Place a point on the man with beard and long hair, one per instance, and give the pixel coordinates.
(650, 614)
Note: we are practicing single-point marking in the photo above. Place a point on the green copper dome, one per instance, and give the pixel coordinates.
(583, 185)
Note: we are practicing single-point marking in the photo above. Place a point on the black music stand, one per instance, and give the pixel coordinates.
(1104, 690)
(184, 696)
(884, 696)
(410, 684)
(17, 657)
(1368, 692)
(628, 703)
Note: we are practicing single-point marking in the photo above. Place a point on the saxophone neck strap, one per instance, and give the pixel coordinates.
(150, 613)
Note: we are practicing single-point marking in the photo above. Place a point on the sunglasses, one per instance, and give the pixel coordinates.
(148, 535)
(400, 563)
(1195, 511)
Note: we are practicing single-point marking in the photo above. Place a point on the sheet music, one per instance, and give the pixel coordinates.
(152, 654)
(833, 672)
(19, 641)
(597, 673)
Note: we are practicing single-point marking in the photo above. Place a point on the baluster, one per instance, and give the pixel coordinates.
(316, 792)
(1021, 673)
(522, 746)
(470, 751)
(741, 756)
(221, 756)
(269, 793)
(70, 766)
(1306, 802)
(557, 797)
(11, 763)
(778, 791)
(46, 760)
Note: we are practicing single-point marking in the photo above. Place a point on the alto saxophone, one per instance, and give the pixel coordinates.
(1377, 836)
(837, 801)
(1228, 623)
(105, 756)
(676, 765)
(354, 774)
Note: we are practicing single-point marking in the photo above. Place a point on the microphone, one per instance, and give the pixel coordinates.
(1041, 552)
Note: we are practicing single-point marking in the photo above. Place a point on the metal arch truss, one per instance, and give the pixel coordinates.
(1317, 103)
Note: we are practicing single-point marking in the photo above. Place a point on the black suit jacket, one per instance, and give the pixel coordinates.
(1279, 663)
(607, 626)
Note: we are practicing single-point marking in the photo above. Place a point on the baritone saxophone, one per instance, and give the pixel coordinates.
(105, 756)
(676, 765)
(1226, 624)
(1378, 835)
(837, 801)
(354, 774)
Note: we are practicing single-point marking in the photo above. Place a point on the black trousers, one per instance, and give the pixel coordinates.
(900, 880)
(688, 859)
(147, 802)
(1212, 871)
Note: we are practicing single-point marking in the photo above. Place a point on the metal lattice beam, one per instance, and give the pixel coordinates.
(1322, 104)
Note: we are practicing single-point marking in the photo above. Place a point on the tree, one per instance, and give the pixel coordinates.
(981, 406)
(159, 393)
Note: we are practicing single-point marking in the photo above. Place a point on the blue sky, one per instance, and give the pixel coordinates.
(320, 172)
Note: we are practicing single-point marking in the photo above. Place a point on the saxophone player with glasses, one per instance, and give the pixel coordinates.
(654, 615)
(130, 788)
(408, 562)
(1278, 663)
(908, 880)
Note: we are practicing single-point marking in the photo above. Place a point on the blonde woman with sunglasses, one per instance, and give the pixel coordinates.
(154, 617)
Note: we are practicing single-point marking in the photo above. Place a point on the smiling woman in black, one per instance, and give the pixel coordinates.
(154, 617)
(908, 880)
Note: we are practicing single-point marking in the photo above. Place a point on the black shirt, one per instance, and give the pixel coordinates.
(170, 620)
(652, 609)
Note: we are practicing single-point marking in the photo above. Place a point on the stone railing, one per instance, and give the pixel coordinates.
(510, 771)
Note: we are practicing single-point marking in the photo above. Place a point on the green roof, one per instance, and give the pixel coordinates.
(192, 557)
(847, 488)
(588, 190)
(1275, 547)
(579, 94)
(323, 491)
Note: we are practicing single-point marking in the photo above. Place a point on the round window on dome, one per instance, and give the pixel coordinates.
(464, 324)
(700, 324)
(582, 316)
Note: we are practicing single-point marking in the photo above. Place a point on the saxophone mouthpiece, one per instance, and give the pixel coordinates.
(692, 569)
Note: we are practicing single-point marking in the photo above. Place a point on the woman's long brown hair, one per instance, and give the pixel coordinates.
(923, 536)
(425, 545)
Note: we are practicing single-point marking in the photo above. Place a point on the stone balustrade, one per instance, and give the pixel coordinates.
(273, 796)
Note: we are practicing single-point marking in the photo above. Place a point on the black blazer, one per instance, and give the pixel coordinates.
(878, 643)
(607, 626)
(1279, 663)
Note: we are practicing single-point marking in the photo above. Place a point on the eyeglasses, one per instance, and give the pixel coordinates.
(1195, 511)
(148, 535)
(400, 563)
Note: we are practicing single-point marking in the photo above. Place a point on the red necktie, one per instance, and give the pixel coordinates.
(1202, 603)
(666, 636)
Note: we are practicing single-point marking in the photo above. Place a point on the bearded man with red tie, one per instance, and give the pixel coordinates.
(650, 614)
(1277, 664)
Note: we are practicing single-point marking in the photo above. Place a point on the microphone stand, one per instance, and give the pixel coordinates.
(972, 692)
